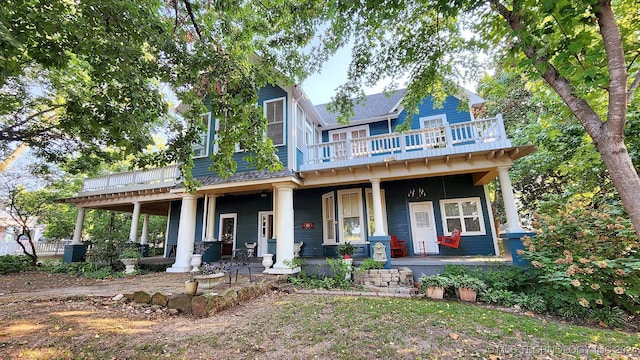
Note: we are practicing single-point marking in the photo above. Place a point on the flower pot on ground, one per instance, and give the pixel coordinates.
(468, 287)
(190, 287)
(434, 286)
(209, 275)
(129, 256)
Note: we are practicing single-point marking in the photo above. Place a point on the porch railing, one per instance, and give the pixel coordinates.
(480, 131)
(132, 180)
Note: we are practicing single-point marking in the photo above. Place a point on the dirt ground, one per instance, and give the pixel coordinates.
(55, 316)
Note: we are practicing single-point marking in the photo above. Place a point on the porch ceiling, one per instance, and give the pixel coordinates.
(152, 202)
(482, 164)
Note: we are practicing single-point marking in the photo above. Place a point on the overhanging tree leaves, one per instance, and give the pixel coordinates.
(587, 51)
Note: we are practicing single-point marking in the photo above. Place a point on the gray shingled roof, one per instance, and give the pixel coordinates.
(245, 176)
(373, 106)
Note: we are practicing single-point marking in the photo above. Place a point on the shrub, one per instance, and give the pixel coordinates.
(586, 258)
(368, 264)
(14, 263)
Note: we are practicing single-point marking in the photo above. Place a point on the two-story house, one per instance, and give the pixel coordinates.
(354, 183)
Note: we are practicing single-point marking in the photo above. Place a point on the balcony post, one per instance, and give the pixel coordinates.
(501, 131)
(284, 225)
(211, 218)
(448, 136)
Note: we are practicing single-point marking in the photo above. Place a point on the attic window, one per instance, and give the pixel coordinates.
(274, 112)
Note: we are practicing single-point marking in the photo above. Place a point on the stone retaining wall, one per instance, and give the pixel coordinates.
(202, 305)
(399, 281)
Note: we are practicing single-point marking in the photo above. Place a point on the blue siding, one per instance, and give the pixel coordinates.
(299, 158)
(201, 165)
(174, 220)
(246, 208)
(308, 208)
(450, 187)
(379, 128)
(449, 107)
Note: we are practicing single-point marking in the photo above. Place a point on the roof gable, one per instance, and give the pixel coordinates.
(375, 105)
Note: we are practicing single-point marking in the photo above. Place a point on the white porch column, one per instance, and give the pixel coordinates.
(135, 217)
(144, 239)
(211, 219)
(77, 234)
(186, 235)
(285, 238)
(513, 220)
(378, 221)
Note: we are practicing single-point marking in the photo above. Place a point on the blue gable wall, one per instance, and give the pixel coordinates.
(449, 107)
(201, 165)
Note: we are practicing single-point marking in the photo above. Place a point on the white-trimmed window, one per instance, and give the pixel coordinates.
(274, 111)
(370, 219)
(435, 136)
(464, 214)
(356, 136)
(300, 122)
(329, 218)
(350, 217)
(201, 147)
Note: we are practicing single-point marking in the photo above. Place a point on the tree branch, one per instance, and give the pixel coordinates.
(612, 41)
(578, 106)
(633, 87)
(187, 5)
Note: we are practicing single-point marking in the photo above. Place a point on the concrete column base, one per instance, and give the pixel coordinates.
(282, 271)
(513, 242)
(179, 269)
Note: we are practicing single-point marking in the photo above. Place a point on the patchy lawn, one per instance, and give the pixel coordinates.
(281, 326)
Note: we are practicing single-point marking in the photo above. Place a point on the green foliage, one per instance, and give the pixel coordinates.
(338, 278)
(434, 281)
(346, 249)
(586, 257)
(467, 281)
(14, 264)
(86, 269)
(340, 270)
(129, 252)
(369, 263)
(454, 270)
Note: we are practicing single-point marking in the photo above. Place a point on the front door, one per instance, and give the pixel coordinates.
(228, 233)
(265, 231)
(423, 228)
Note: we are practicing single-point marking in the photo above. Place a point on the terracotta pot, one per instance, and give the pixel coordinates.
(435, 292)
(467, 294)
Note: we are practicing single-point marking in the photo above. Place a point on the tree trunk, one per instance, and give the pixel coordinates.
(623, 174)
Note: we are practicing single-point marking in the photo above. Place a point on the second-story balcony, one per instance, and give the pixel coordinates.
(131, 181)
(447, 139)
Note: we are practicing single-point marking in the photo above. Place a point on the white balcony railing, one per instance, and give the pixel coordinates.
(131, 180)
(451, 137)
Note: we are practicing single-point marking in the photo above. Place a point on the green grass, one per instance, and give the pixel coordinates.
(364, 328)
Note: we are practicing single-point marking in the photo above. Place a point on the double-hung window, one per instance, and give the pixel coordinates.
(350, 143)
(463, 214)
(352, 227)
(329, 218)
(201, 146)
(370, 219)
(274, 111)
(433, 134)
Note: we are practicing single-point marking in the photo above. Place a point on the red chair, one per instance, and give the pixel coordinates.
(452, 241)
(398, 247)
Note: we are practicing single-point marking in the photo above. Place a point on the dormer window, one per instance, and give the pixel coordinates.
(274, 111)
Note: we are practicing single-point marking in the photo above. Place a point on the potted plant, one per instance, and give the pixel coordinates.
(129, 257)
(346, 250)
(434, 285)
(209, 275)
(467, 287)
